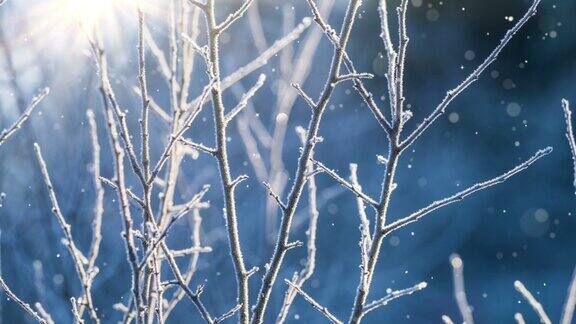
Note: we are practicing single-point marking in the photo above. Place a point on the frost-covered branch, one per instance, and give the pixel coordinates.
(233, 16)
(354, 189)
(25, 306)
(475, 75)
(394, 295)
(301, 277)
(570, 135)
(283, 238)
(314, 303)
(227, 182)
(7, 133)
(123, 204)
(466, 192)
(365, 240)
(245, 98)
(78, 258)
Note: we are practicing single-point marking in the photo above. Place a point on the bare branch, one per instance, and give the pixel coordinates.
(192, 204)
(226, 180)
(228, 314)
(346, 184)
(129, 192)
(110, 102)
(306, 155)
(358, 84)
(174, 138)
(198, 146)
(123, 204)
(544, 319)
(393, 295)
(314, 303)
(25, 306)
(451, 94)
(354, 76)
(365, 240)
(466, 192)
(7, 133)
(310, 266)
(245, 98)
(274, 195)
(304, 96)
(190, 250)
(157, 53)
(234, 16)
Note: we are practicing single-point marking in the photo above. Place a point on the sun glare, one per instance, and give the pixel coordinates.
(60, 24)
(88, 13)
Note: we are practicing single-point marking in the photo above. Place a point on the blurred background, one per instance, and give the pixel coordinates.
(523, 229)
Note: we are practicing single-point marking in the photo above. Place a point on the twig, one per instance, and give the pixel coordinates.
(570, 135)
(451, 94)
(300, 178)
(228, 314)
(365, 240)
(519, 318)
(78, 258)
(128, 234)
(228, 185)
(7, 133)
(301, 277)
(274, 195)
(245, 98)
(394, 295)
(175, 137)
(466, 192)
(304, 95)
(233, 16)
(314, 303)
(198, 146)
(358, 192)
(544, 319)
(129, 192)
(25, 306)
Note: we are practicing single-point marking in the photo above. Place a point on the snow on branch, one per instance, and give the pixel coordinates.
(393, 295)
